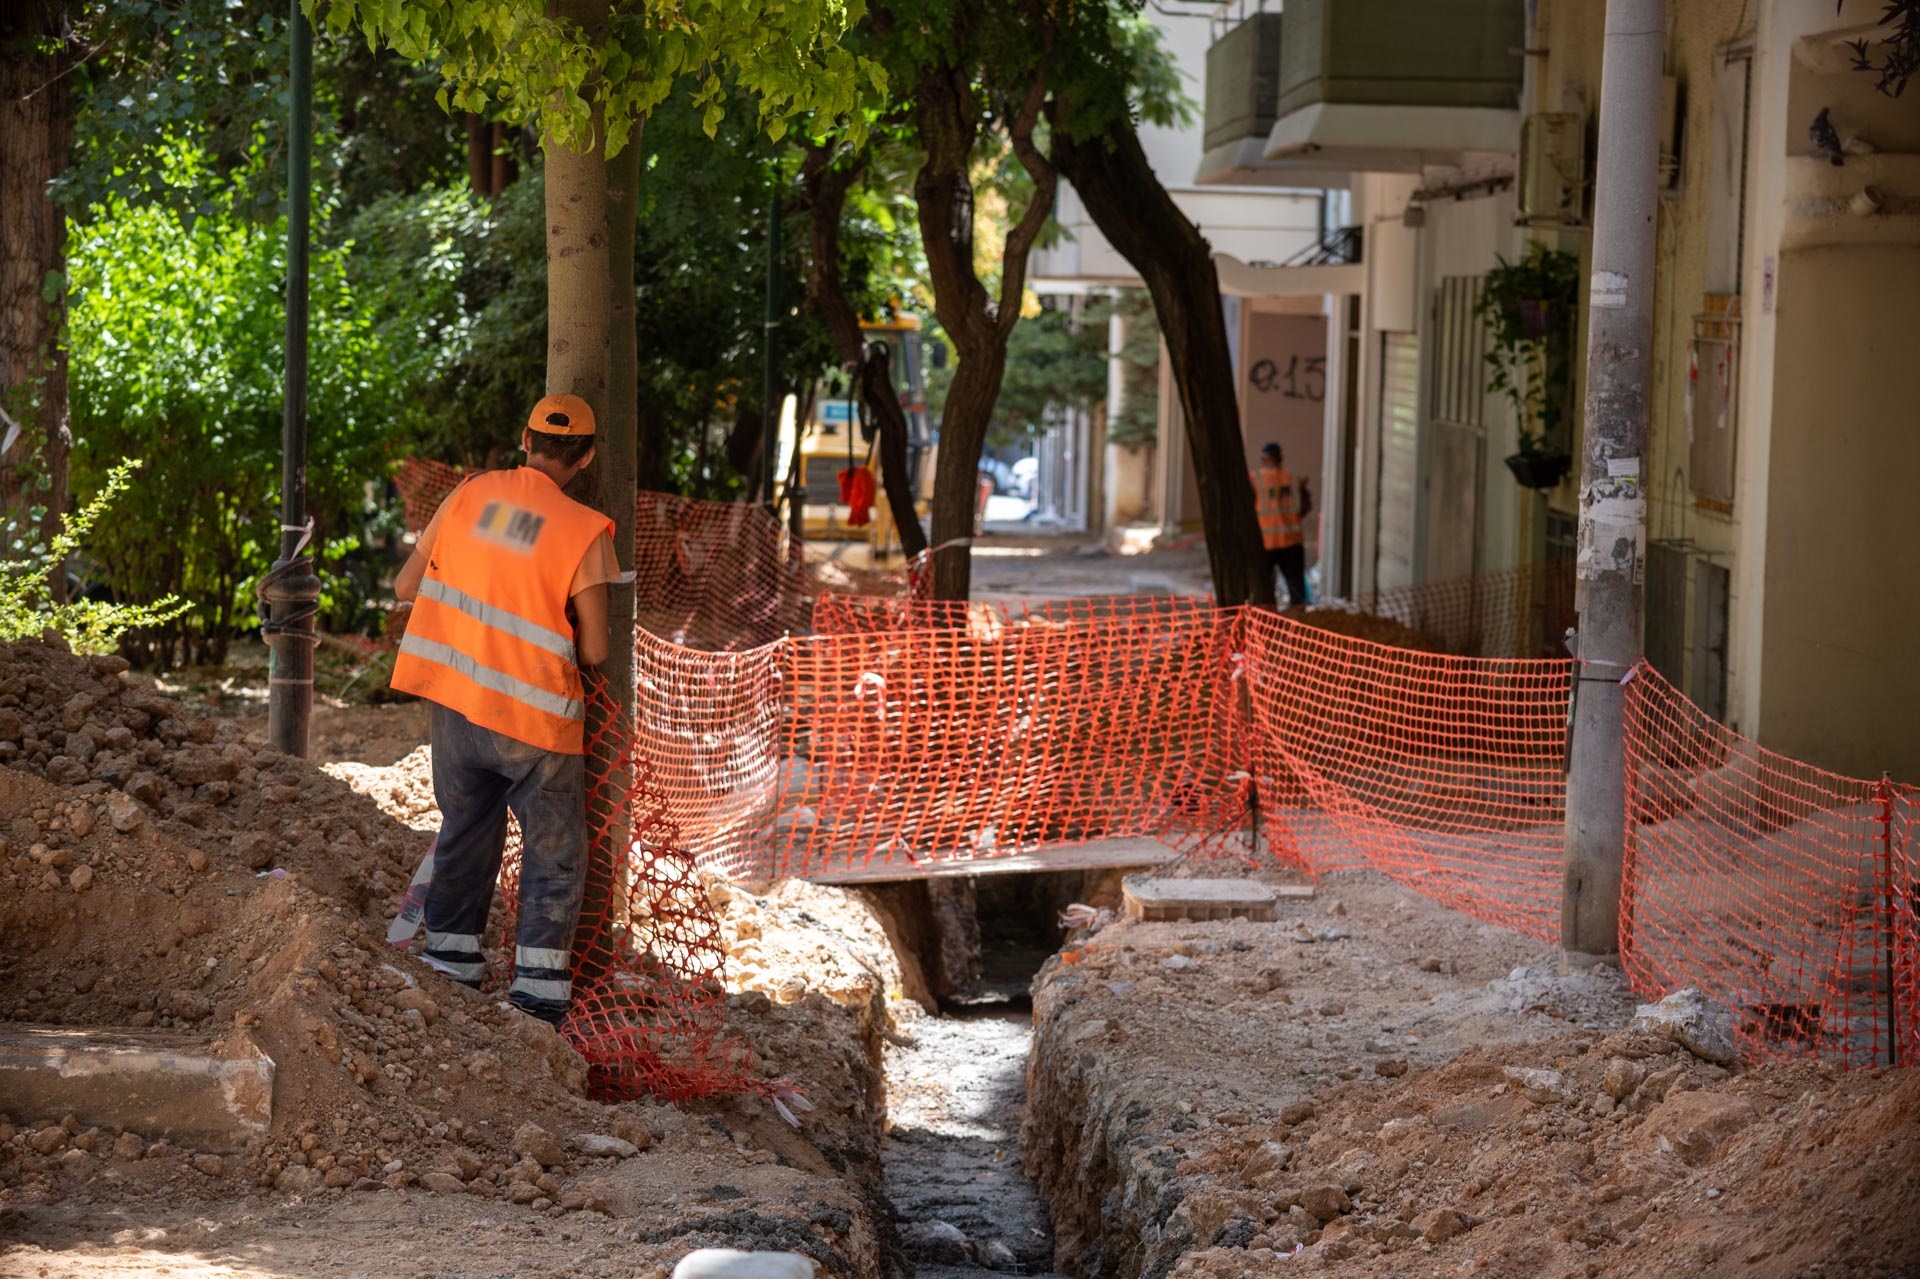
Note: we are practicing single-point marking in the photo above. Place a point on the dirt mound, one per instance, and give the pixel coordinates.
(1582, 1156)
(403, 790)
(1375, 1085)
(157, 871)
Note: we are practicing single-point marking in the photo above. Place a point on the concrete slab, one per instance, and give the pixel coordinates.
(1164, 899)
(1105, 854)
(196, 1093)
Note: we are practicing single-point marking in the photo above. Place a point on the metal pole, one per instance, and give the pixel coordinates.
(770, 396)
(1891, 934)
(1613, 508)
(290, 590)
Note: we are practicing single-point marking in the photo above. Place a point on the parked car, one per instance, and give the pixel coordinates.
(1025, 472)
(1000, 473)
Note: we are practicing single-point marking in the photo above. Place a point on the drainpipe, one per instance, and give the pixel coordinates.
(1610, 570)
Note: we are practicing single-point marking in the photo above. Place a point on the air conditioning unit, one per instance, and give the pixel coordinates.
(1553, 169)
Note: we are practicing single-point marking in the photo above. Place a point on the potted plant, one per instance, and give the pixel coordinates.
(1528, 308)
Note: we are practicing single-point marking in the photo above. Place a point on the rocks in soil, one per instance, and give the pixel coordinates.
(125, 813)
(532, 1141)
(1325, 1200)
(1437, 1225)
(600, 1145)
(1693, 1125)
(937, 1242)
(1698, 1024)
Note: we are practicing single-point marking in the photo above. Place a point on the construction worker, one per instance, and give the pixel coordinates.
(509, 583)
(1283, 508)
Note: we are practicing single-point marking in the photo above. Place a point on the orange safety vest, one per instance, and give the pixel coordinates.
(489, 636)
(1278, 507)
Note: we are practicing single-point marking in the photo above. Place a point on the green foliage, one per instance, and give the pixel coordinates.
(456, 284)
(27, 607)
(213, 73)
(514, 56)
(1108, 64)
(1057, 362)
(1529, 308)
(175, 334)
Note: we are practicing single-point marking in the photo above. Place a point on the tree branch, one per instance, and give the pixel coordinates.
(1046, 180)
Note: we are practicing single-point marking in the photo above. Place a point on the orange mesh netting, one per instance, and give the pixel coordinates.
(1781, 890)
(1012, 734)
(717, 575)
(844, 614)
(423, 486)
(907, 732)
(1446, 773)
(715, 730)
(648, 1002)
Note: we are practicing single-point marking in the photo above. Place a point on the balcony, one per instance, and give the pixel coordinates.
(1327, 88)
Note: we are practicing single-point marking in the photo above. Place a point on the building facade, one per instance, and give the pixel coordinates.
(1783, 550)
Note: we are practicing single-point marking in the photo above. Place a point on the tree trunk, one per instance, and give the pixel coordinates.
(979, 325)
(500, 170)
(36, 128)
(1140, 219)
(616, 456)
(826, 188)
(479, 170)
(580, 270)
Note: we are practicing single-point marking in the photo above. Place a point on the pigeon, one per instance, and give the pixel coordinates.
(1825, 140)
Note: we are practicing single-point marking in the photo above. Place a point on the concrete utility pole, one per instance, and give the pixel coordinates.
(1613, 503)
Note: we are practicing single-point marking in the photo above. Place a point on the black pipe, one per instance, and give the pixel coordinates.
(290, 590)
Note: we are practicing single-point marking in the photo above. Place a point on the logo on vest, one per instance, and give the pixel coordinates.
(509, 526)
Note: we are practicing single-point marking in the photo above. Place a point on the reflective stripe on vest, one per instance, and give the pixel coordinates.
(489, 636)
(488, 678)
(498, 618)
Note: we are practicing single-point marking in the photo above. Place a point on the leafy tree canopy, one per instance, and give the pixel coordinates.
(519, 57)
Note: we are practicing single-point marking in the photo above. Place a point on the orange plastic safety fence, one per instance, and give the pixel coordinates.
(927, 746)
(1446, 773)
(844, 614)
(423, 486)
(648, 1001)
(717, 575)
(1779, 889)
(715, 728)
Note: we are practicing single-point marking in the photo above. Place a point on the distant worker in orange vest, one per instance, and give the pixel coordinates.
(1283, 506)
(509, 582)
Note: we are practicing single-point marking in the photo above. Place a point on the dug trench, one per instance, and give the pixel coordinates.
(1367, 1084)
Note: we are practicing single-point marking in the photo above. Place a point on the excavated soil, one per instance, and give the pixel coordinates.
(159, 870)
(1373, 1085)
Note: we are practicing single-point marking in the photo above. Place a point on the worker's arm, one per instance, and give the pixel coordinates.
(407, 583)
(590, 625)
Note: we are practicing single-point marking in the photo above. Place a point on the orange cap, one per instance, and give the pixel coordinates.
(561, 415)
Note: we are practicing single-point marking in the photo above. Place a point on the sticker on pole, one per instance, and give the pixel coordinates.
(1608, 289)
